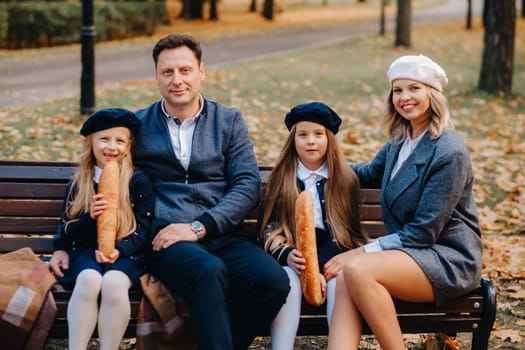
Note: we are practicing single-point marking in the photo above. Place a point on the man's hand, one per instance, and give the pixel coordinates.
(59, 262)
(171, 234)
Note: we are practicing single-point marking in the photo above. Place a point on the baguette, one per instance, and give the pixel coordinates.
(307, 245)
(107, 221)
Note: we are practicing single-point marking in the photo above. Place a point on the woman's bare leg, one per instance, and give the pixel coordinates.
(372, 280)
(346, 324)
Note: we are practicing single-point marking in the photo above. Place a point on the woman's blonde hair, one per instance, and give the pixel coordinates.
(341, 198)
(83, 187)
(398, 128)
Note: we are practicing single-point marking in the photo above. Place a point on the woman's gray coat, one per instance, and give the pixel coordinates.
(429, 210)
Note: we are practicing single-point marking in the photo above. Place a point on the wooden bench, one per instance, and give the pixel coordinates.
(30, 202)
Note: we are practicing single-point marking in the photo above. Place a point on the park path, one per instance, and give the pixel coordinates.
(30, 79)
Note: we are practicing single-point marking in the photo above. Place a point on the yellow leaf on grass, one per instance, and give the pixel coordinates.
(508, 335)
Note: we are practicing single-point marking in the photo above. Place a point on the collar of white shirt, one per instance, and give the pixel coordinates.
(98, 172)
(175, 117)
(303, 173)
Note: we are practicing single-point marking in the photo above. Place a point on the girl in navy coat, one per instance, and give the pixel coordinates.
(76, 260)
(311, 160)
(433, 248)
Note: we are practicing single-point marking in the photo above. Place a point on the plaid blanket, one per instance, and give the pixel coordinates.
(163, 319)
(25, 282)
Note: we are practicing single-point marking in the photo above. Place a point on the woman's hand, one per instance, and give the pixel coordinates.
(98, 205)
(335, 265)
(102, 259)
(296, 261)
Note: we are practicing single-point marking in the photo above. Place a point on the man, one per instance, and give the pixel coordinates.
(201, 163)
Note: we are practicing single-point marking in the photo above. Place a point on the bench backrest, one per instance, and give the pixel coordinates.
(31, 195)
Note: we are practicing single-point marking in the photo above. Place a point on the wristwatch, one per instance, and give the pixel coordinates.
(198, 228)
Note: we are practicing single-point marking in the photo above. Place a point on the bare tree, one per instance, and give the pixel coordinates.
(382, 18)
(403, 23)
(193, 9)
(268, 9)
(498, 51)
(469, 14)
(253, 6)
(214, 15)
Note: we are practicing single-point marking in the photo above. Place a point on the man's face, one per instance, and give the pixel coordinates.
(179, 75)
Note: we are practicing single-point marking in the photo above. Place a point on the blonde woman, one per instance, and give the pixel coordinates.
(76, 260)
(310, 160)
(433, 249)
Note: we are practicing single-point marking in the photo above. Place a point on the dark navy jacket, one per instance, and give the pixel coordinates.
(82, 234)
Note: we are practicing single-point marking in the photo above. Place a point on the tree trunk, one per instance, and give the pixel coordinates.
(196, 9)
(214, 15)
(469, 14)
(268, 9)
(498, 51)
(522, 8)
(382, 18)
(486, 4)
(403, 23)
(253, 6)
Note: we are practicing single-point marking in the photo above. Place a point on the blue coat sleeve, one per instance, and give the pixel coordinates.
(81, 229)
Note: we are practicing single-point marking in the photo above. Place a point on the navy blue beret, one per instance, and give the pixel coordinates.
(316, 112)
(110, 118)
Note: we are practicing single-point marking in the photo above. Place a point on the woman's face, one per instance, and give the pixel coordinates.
(311, 144)
(411, 99)
(109, 144)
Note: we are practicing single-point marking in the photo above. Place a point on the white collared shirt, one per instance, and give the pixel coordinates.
(406, 149)
(98, 172)
(181, 134)
(310, 179)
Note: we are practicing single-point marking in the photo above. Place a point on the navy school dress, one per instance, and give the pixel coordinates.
(326, 246)
(79, 238)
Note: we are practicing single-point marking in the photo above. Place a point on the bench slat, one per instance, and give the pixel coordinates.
(37, 244)
(29, 225)
(27, 208)
(36, 190)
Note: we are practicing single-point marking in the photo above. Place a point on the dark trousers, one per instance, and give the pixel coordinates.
(233, 292)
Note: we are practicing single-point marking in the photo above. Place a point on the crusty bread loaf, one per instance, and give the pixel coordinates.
(307, 245)
(107, 221)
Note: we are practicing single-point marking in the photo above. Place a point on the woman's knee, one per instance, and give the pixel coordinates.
(354, 271)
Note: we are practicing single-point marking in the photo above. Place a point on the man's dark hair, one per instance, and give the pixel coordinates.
(173, 41)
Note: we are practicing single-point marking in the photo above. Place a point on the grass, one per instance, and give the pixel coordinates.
(350, 77)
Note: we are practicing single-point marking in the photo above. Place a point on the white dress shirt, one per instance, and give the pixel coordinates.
(310, 179)
(181, 134)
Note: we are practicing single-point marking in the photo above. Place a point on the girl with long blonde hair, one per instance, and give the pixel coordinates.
(76, 260)
(310, 160)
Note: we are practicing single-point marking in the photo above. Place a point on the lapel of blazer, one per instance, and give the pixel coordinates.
(409, 171)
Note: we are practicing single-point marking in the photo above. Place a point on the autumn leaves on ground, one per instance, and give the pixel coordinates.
(350, 77)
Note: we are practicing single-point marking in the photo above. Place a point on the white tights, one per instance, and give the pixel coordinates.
(284, 327)
(83, 310)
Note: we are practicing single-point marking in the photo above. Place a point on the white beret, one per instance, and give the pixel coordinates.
(419, 68)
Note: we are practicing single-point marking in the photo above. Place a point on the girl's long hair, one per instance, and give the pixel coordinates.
(398, 128)
(341, 198)
(83, 187)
